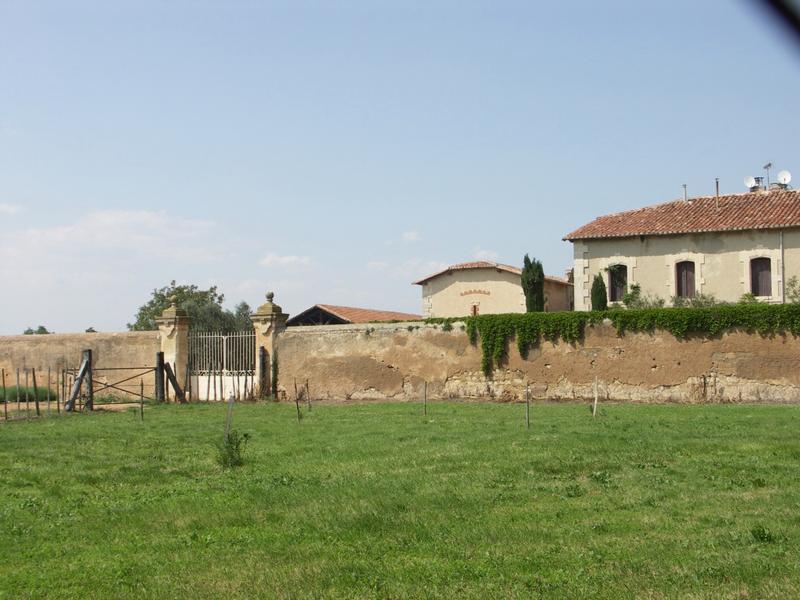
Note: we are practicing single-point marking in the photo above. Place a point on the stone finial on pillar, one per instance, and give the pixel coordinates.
(173, 327)
(268, 320)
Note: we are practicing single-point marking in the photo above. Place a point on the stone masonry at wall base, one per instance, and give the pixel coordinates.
(395, 361)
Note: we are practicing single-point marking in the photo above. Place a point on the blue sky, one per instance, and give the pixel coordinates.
(335, 152)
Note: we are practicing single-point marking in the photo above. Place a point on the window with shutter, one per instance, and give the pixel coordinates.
(684, 275)
(761, 277)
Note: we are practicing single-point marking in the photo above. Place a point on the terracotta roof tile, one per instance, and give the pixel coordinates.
(367, 315)
(733, 212)
(485, 264)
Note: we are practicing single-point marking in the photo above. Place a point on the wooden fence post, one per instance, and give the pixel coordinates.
(27, 396)
(87, 357)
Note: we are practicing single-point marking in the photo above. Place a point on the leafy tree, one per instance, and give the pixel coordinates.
(40, 330)
(241, 314)
(599, 293)
(533, 284)
(204, 308)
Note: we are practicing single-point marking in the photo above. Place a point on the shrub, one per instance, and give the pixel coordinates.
(230, 451)
(634, 299)
(763, 535)
(696, 301)
(275, 375)
(599, 293)
(11, 394)
(793, 290)
(748, 298)
(574, 490)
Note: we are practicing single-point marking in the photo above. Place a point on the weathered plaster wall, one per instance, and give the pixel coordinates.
(390, 361)
(58, 351)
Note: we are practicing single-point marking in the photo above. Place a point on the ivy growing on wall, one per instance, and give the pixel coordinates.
(495, 331)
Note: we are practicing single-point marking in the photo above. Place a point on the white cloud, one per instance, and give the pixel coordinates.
(415, 268)
(377, 265)
(9, 209)
(284, 261)
(409, 237)
(97, 269)
(480, 254)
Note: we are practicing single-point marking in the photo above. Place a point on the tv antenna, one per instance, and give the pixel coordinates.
(784, 177)
(767, 167)
(750, 182)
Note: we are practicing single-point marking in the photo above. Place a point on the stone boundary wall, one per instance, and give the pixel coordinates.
(64, 350)
(392, 361)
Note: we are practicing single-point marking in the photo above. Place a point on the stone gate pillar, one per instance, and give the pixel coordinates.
(268, 320)
(173, 327)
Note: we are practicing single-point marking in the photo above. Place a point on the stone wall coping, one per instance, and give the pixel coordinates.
(76, 336)
(364, 327)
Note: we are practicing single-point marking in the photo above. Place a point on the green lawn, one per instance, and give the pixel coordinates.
(375, 500)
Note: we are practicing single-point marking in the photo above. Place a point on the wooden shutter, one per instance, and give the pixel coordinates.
(685, 279)
(761, 277)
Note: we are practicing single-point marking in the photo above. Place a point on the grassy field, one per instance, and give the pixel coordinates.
(375, 500)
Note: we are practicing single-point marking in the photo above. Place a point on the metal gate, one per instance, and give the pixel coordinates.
(221, 364)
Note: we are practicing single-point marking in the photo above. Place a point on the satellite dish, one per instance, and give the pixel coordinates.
(750, 182)
(784, 177)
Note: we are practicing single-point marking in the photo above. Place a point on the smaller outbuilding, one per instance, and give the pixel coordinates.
(483, 287)
(328, 314)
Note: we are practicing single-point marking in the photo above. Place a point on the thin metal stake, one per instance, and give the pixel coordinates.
(308, 396)
(141, 399)
(527, 407)
(425, 398)
(19, 408)
(594, 406)
(49, 383)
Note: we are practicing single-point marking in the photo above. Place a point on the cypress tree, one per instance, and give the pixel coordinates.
(533, 284)
(599, 293)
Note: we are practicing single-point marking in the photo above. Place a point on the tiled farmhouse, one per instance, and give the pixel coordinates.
(725, 246)
(484, 287)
